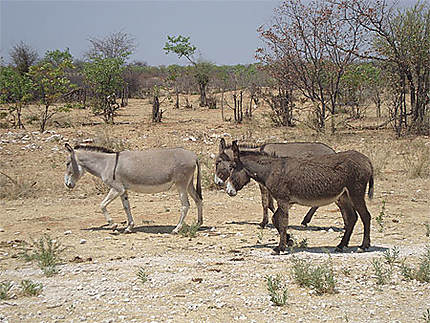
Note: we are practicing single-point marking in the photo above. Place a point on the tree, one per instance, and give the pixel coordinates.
(181, 46)
(50, 82)
(114, 45)
(104, 71)
(310, 46)
(401, 41)
(23, 56)
(173, 78)
(16, 90)
(104, 76)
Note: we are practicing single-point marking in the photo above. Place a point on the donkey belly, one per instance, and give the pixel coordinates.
(148, 189)
(316, 200)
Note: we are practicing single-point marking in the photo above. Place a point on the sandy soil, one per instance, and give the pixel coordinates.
(219, 275)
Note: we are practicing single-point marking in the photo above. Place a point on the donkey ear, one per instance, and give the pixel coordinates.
(222, 145)
(68, 147)
(235, 149)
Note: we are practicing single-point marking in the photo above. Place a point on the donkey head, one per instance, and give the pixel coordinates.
(73, 170)
(222, 164)
(238, 174)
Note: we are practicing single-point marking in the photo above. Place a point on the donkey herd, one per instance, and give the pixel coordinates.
(309, 174)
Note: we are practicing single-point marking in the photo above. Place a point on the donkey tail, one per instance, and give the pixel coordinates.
(371, 184)
(199, 182)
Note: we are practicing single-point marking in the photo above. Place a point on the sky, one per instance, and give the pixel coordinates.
(224, 32)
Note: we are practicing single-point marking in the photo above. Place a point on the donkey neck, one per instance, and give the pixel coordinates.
(259, 166)
(96, 163)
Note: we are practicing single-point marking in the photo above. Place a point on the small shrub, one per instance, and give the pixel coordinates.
(383, 273)
(320, 277)
(380, 217)
(426, 316)
(417, 160)
(189, 231)
(15, 188)
(303, 243)
(427, 225)
(260, 235)
(422, 273)
(29, 288)
(142, 275)
(46, 252)
(207, 173)
(278, 290)
(5, 288)
(104, 139)
(391, 256)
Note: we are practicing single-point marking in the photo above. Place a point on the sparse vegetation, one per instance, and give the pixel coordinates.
(189, 231)
(29, 288)
(427, 225)
(422, 273)
(46, 252)
(380, 217)
(5, 288)
(277, 289)
(426, 316)
(260, 234)
(142, 275)
(416, 159)
(13, 188)
(391, 256)
(320, 277)
(383, 273)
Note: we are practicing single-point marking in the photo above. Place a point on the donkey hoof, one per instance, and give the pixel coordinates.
(263, 224)
(362, 249)
(290, 243)
(113, 226)
(338, 249)
(276, 251)
(129, 230)
(304, 224)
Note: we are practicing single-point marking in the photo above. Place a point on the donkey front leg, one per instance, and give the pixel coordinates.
(280, 220)
(183, 196)
(267, 202)
(113, 194)
(126, 205)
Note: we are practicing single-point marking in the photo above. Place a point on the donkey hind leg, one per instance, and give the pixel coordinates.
(198, 201)
(349, 219)
(308, 216)
(126, 205)
(183, 196)
(360, 206)
(113, 194)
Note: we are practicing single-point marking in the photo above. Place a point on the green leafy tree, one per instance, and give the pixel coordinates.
(174, 73)
(16, 91)
(181, 46)
(105, 70)
(51, 82)
(105, 77)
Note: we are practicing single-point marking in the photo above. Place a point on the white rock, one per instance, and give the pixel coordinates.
(67, 232)
(82, 241)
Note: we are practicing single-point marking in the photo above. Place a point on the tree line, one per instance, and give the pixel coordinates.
(326, 58)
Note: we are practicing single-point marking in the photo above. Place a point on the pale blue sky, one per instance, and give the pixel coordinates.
(223, 31)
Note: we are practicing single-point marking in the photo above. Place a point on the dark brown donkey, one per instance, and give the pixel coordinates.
(318, 181)
(224, 159)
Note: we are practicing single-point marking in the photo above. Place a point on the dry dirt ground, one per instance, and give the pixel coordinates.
(220, 275)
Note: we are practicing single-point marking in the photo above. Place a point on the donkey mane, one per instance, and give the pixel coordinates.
(95, 148)
(258, 153)
(245, 146)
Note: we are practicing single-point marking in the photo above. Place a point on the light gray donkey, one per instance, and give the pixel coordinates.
(148, 171)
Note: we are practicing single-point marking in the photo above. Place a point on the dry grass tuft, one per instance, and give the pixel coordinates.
(13, 188)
